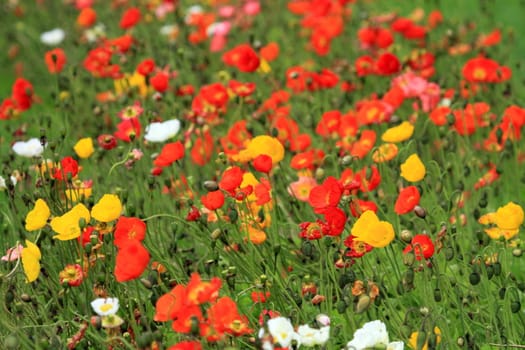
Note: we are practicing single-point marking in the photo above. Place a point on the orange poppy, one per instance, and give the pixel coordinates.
(407, 199)
(213, 200)
(170, 153)
(55, 60)
(128, 228)
(87, 17)
(131, 261)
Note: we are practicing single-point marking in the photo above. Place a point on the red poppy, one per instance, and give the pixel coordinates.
(8, 109)
(55, 60)
(484, 70)
(369, 178)
(311, 230)
(326, 79)
(170, 153)
(296, 78)
(335, 219)
(199, 292)
(187, 345)
(224, 318)
(422, 246)
(407, 199)
(215, 94)
(202, 149)
(263, 163)
(364, 145)
(68, 169)
(243, 57)
(439, 115)
(263, 192)
(130, 18)
(356, 249)
(231, 179)
(187, 318)
(260, 297)
(22, 94)
(146, 66)
(325, 195)
(128, 130)
(375, 37)
(387, 64)
(107, 141)
(131, 261)
(160, 81)
(329, 123)
(364, 65)
(213, 200)
(87, 17)
(488, 178)
(128, 228)
(269, 52)
(85, 236)
(303, 160)
(121, 44)
(359, 206)
(241, 89)
(170, 304)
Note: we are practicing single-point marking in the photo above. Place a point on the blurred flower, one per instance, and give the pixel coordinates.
(132, 259)
(313, 336)
(413, 169)
(413, 341)
(107, 209)
(84, 147)
(170, 153)
(68, 225)
(373, 334)
(55, 60)
(72, 275)
(13, 254)
(422, 246)
(160, 132)
(31, 261)
(37, 218)
(95, 33)
(506, 221)
(301, 188)
(282, 332)
(105, 306)
(385, 153)
(53, 37)
(370, 230)
(263, 144)
(398, 133)
(30, 148)
(80, 189)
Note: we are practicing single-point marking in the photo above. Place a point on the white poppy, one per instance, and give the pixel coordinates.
(313, 336)
(95, 33)
(53, 37)
(160, 132)
(282, 331)
(30, 148)
(105, 306)
(372, 334)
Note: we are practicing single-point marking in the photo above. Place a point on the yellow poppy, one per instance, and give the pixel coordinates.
(31, 261)
(84, 147)
(37, 218)
(262, 144)
(398, 133)
(107, 209)
(412, 341)
(506, 221)
(413, 169)
(67, 226)
(370, 230)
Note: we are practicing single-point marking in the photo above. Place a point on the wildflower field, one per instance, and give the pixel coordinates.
(262, 174)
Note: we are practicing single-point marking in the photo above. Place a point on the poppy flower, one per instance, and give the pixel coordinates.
(506, 221)
(162, 131)
(87, 17)
(263, 144)
(187, 345)
(38, 216)
(224, 318)
(31, 261)
(130, 18)
(72, 274)
(84, 147)
(213, 200)
(387, 64)
(131, 261)
(202, 149)
(413, 169)
(199, 292)
(170, 153)
(269, 52)
(160, 82)
(326, 195)
(146, 66)
(55, 60)
(422, 246)
(370, 230)
(231, 179)
(301, 188)
(356, 248)
(385, 153)
(399, 133)
(329, 123)
(407, 199)
(243, 57)
(128, 130)
(128, 228)
(67, 226)
(263, 163)
(439, 115)
(107, 209)
(68, 169)
(22, 94)
(107, 141)
(335, 219)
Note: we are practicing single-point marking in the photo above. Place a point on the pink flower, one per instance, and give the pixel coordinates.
(252, 7)
(217, 43)
(430, 97)
(411, 84)
(13, 254)
(227, 11)
(301, 188)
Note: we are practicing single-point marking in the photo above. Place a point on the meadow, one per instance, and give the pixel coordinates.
(262, 174)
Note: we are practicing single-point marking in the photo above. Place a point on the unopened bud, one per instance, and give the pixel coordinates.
(406, 236)
(362, 304)
(216, 234)
(420, 211)
(210, 186)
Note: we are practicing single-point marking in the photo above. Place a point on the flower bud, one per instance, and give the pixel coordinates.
(515, 306)
(406, 236)
(210, 186)
(517, 252)
(474, 278)
(420, 211)
(362, 304)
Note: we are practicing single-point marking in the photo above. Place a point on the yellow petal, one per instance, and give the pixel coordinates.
(107, 209)
(84, 147)
(67, 226)
(37, 218)
(268, 145)
(398, 133)
(31, 261)
(413, 169)
(509, 217)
